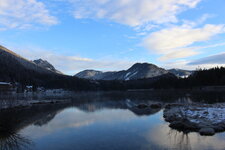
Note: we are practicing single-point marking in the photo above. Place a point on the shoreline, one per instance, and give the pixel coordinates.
(28, 103)
(206, 119)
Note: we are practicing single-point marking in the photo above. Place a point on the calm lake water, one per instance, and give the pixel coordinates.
(99, 122)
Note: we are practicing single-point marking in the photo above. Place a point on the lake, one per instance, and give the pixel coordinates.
(101, 122)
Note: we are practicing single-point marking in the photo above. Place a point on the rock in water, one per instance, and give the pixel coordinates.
(207, 131)
(184, 125)
(156, 106)
(142, 106)
(196, 118)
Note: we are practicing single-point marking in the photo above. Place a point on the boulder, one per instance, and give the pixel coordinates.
(184, 125)
(155, 106)
(142, 106)
(207, 131)
(194, 118)
(219, 129)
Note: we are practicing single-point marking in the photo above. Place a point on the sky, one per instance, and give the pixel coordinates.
(109, 35)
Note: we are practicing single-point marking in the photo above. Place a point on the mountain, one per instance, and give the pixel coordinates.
(181, 73)
(11, 60)
(22, 72)
(45, 64)
(89, 74)
(137, 71)
(16, 69)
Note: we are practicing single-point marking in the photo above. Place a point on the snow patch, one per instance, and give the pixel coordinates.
(129, 75)
(5, 83)
(196, 115)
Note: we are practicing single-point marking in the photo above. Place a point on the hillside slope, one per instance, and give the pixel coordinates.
(137, 71)
(181, 73)
(14, 68)
(45, 64)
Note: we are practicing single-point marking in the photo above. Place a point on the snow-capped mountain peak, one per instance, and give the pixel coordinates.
(45, 64)
(137, 71)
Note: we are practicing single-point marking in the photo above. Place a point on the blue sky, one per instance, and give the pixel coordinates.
(106, 35)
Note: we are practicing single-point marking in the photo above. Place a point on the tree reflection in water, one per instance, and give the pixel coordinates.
(14, 120)
(180, 140)
(10, 140)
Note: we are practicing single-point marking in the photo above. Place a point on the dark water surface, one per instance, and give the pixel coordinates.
(98, 122)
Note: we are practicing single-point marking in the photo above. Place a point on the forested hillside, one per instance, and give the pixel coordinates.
(16, 69)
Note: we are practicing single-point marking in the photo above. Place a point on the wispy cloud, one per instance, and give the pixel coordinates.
(175, 42)
(75, 58)
(72, 64)
(217, 60)
(182, 53)
(188, 51)
(22, 14)
(132, 12)
(179, 64)
(210, 60)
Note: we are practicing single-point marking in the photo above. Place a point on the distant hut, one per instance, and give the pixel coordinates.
(5, 86)
(29, 88)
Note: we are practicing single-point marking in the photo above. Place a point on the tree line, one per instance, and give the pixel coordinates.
(12, 71)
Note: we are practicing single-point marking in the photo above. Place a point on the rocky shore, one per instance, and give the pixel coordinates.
(203, 118)
(6, 104)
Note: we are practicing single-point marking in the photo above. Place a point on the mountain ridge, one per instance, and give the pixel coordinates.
(8, 54)
(136, 71)
(45, 64)
(181, 73)
(22, 72)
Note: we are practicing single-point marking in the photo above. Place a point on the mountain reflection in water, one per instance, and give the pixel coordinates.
(97, 124)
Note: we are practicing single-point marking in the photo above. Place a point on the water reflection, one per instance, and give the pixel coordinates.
(10, 139)
(97, 106)
(14, 141)
(14, 120)
(179, 139)
(97, 123)
(173, 139)
(9, 136)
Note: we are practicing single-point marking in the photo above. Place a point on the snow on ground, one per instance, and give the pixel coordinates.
(6, 104)
(212, 113)
(12, 99)
(5, 83)
(134, 74)
(196, 117)
(129, 75)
